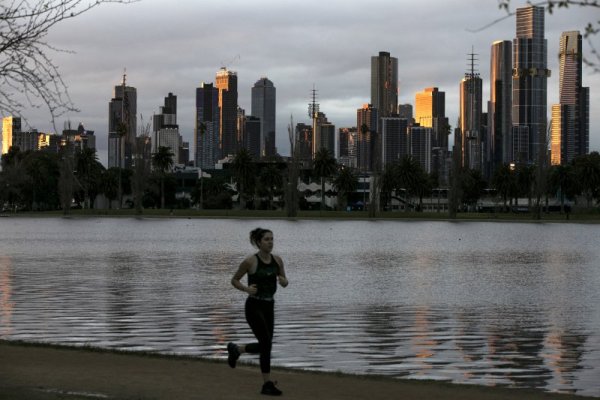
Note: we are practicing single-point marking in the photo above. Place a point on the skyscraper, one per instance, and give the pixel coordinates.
(570, 118)
(263, 107)
(530, 76)
(122, 125)
(470, 118)
(420, 139)
(384, 84)
(165, 129)
(366, 120)
(430, 111)
(499, 143)
(226, 83)
(347, 140)
(325, 134)
(394, 139)
(206, 132)
(10, 125)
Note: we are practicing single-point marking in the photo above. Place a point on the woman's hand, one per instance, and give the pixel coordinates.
(252, 289)
(282, 280)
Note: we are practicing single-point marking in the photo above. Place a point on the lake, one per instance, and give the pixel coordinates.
(490, 303)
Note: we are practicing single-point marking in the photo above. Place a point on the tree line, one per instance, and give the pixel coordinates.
(41, 180)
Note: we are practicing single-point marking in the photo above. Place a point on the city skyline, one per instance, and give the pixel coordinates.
(294, 55)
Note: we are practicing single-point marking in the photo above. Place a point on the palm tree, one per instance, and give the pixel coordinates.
(389, 181)
(345, 183)
(525, 181)
(504, 182)
(162, 160)
(324, 165)
(410, 176)
(243, 169)
(110, 184)
(561, 180)
(88, 171)
(271, 179)
(587, 171)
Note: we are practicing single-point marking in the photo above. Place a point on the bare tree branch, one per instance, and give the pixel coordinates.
(28, 76)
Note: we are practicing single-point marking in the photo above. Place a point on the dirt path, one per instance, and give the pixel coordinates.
(48, 373)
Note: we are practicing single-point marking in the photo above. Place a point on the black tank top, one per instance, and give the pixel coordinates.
(265, 278)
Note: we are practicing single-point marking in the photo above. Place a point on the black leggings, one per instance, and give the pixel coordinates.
(261, 318)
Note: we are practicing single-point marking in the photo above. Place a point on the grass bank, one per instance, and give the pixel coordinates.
(45, 372)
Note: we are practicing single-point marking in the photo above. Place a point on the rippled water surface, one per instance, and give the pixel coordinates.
(515, 304)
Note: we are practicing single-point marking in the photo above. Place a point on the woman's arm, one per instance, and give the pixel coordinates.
(243, 270)
(281, 278)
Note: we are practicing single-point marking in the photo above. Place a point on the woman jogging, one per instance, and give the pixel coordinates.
(264, 270)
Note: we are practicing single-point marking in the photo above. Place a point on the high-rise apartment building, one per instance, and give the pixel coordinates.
(406, 111)
(10, 125)
(122, 125)
(226, 83)
(263, 107)
(570, 118)
(347, 143)
(252, 136)
(499, 143)
(165, 128)
(206, 131)
(470, 119)
(430, 111)
(304, 146)
(530, 76)
(325, 134)
(394, 139)
(420, 140)
(384, 84)
(367, 152)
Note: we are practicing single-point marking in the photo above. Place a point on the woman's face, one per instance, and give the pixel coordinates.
(266, 243)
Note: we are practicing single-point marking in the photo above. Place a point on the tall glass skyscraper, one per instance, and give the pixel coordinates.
(530, 75)
(122, 125)
(470, 118)
(499, 143)
(384, 84)
(206, 132)
(570, 118)
(263, 107)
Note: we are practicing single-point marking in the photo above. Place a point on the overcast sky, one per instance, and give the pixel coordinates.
(169, 46)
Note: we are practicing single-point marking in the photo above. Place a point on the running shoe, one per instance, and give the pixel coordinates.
(270, 390)
(234, 354)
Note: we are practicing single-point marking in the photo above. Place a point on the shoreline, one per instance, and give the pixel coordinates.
(577, 217)
(41, 371)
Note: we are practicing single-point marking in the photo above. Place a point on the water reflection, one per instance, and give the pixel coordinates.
(413, 301)
(6, 302)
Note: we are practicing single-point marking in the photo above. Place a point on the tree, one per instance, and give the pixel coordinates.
(526, 175)
(587, 172)
(109, 184)
(504, 182)
(324, 165)
(27, 72)
(410, 176)
(472, 186)
(243, 170)
(162, 161)
(88, 171)
(270, 178)
(345, 183)
(561, 181)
